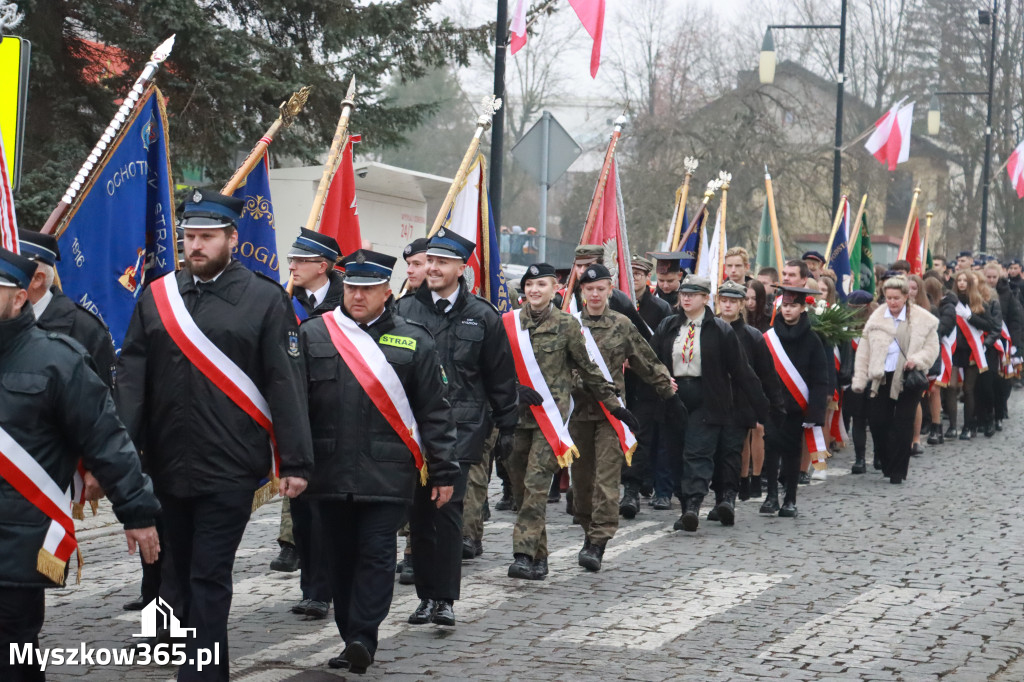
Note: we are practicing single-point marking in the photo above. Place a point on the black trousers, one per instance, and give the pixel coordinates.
(728, 460)
(1004, 387)
(640, 474)
(203, 534)
(855, 408)
(313, 578)
(21, 618)
(437, 540)
(784, 441)
(360, 543)
(892, 427)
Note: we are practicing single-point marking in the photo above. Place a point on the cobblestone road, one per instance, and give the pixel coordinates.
(873, 581)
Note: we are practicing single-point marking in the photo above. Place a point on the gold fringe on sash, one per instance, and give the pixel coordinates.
(629, 455)
(566, 458)
(266, 492)
(78, 511)
(50, 566)
(423, 474)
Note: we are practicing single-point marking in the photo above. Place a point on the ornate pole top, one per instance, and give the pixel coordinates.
(291, 108)
(489, 107)
(724, 179)
(690, 165)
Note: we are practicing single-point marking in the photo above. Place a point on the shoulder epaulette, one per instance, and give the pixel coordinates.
(69, 342)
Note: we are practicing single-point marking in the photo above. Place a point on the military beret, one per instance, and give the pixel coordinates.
(536, 271)
(595, 273)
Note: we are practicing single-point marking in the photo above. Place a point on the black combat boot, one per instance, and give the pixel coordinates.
(771, 501)
(590, 558)
(788, 509)
(726, 508)
(630, 503)
(287, 560)
(522, 567)
(860, 466)
(505, 503)
(540, 569)
(691, 515)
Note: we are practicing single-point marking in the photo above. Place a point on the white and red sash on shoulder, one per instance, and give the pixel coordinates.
(555, 431)
(947, 346)
(367, 362)
(1007, 354)
(626, 438)
(25, 475)
(797, 387)
(975, 339)
(221, 370)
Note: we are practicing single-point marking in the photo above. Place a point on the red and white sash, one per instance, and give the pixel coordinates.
(215, 366)
(626, 438)
(25, 475)
(797, 387)
(555, 431)
(947, 346)
(975, 339)
(1006, 350)
(371, 368)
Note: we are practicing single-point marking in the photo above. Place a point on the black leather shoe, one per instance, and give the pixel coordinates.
(408, 574)
(468, 548)
(444, 613)
(505, 503)
(951, 432)
(916, 450)
(135, 605)
(989, 429)
(287, 560)
(935, 434)
(583, 552)
(770, 505)
(358, 657)
(661, 503)
(339, 662)
(859, 466)
(805, 478)
(317, 609)
(423, 612)
(590, 557)
(522, 568)
(999, 425)
(965, 434)
(726, 509)
(713, 513)
(788, 510)
(630, 504)
(540, 569)
(896, 479)
(301, 607)
(691, 517)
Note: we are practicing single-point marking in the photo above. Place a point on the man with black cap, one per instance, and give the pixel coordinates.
(415, 255)
(964, 261)
(651, 308)
(669, 275)
(317, 285)
(600, 437)
(209, 384)
(382, 427)
(54, 409)
(473, 348)
(550, 356)
(815, 262)
(707, 361)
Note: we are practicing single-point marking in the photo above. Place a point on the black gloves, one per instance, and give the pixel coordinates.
(627, 418)
(503, 446)
(528, 396)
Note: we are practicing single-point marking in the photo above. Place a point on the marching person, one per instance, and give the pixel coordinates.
(706, 359)
(209, 378)
(800, 363)
(600, 437)
(547, 346)
(473, 347)
(53, 409)
(317, 285)
(382, 428)
(415, 255)
(669, 276)
(898, 337)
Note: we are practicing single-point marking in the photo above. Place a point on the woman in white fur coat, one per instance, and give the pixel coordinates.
(898, 337)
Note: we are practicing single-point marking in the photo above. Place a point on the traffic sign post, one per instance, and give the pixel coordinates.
(14, 61)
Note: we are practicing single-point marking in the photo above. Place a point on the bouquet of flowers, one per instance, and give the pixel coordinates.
(834, 323)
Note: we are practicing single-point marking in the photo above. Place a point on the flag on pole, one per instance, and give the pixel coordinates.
(470, 217)
(838, 259)
(1015, 167)
(340, 216)
(708, 266)
(257, 241)
(610, 232)
(701, 268)
(591, 13)
(691, 248)
(120, 233)
(8, 220)
(890, 143)
(914, 249)
(765, 246)
(862, 263)
(517, 40)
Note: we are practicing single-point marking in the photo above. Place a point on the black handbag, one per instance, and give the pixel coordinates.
(915, 380)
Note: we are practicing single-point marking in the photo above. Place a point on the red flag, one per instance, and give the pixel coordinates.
(609, 231)
(1015, 167)
(8, 221)
(518, 38)
(340, 217)
(591, 13)
(914, 249)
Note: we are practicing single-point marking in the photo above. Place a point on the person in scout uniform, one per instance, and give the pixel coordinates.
(208, 378)
(601, 438)
(311, 260)
(473, 347)
(547, 346)
(53, 410)
(382, 427)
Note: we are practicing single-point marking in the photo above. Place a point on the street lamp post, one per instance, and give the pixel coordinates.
(766, 70)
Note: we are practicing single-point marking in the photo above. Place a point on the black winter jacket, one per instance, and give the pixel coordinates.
(1013, 312)
(760, 360)
(193, 439)
(357, 453)
(53, 404)
(67, 317)
(335, 296)
(474, 350)
(805, 349)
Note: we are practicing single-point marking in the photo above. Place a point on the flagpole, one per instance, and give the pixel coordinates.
(288, 111)
(904, 245)
(595, 202)
(93, 162)
(835, 227)
(690, 164)
(725, 179)
(709, 194)
(773, 218)
(855, 228)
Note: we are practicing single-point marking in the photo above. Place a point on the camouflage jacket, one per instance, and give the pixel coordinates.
(562, 355)
(619, 341)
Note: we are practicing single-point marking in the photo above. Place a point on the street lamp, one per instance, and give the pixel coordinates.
(766, 71)
(934, 116)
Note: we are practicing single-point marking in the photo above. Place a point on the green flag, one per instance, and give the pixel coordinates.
(765, 244)
(862, 264)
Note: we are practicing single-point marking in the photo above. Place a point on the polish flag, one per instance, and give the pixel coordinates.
(518, 39)
(8, 221)
(914, 250)
(1015, 167)
(591, 13)
(890, 143)
(340, 217)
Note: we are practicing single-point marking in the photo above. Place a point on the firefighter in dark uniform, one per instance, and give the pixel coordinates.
(317, 285)
(54, 408)
(474, 349)
(365, 473)
(206, 454)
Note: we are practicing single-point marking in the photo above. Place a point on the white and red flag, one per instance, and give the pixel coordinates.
(517, 39)
(1015, 167)
(890, 143)
(610, 232)
(591, 13)
(340, 217)
(8, 222)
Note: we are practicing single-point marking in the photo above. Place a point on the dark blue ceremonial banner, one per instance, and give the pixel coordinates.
(120, 235)
(498, 286)
(691, 248)
(839, 258)
(257, 240)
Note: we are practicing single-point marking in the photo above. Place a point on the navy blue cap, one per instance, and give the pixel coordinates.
(1014, 261)
(536, 271)
(208, 208)
(595, 273)
(15, 271)
(859, 297)
(312, 244)
(39, 247)
(366, 268)
(893, 273)
(414, 247)
(813, 255)
(449, 244)
(965, 254)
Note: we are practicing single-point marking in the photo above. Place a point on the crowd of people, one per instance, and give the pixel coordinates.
(381, 416)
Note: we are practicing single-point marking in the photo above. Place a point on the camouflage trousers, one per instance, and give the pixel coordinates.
(595, 478)
(531, 466)
(478, 478)
(286, 536)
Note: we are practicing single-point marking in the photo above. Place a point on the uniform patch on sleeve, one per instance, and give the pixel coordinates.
(406, 342)
(444, 377)
(293, 344)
